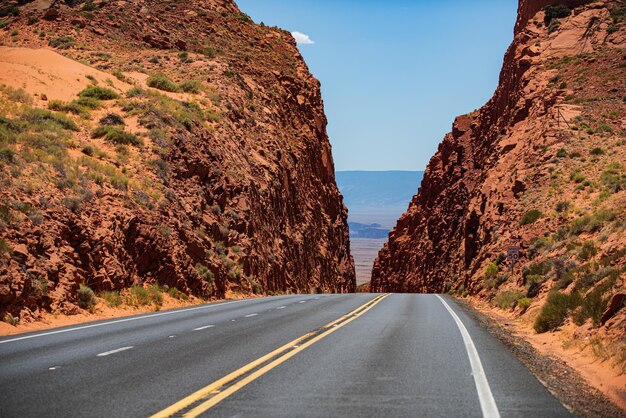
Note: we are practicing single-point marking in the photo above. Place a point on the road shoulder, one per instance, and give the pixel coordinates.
(565, 383)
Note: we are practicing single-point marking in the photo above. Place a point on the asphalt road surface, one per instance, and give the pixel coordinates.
(288, 356)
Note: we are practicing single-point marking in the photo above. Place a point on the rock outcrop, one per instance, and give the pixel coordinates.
(225, 182)
(540, 167)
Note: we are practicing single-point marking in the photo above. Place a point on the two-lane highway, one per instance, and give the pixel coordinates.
(301, 355)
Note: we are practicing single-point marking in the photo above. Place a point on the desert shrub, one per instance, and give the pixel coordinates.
(191, 86)
(100, 93)
(17, 95)
(555, 311)
(587, 250)
(162, 82)
(112, 298)
(593, 306)
(112, 119)
(175, 293)
(257, 289)
(206, 275)
(562, 206)
(557, 11)
(592, 223)
(80, 106)
(160, 111)
(43, 117)
(577, 177)
(116, 135)
(87, 150)
(614, 178)
(86, 297)
(139, 296)
(561, 153)
(89, 6)
(524, 303)
(530, 217)
(554, 26)
(10, 319)
(491, 271)
(507, 299)
(537, 269)
(597, 151)
(5, 248)
(209, 52)
(155, 293)
(62, 42)
(9, 11)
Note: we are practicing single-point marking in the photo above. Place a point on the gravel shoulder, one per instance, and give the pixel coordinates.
(565, 383)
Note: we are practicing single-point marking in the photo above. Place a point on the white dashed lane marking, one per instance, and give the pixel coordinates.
(204, 327)
(251, 315)
(117, 350)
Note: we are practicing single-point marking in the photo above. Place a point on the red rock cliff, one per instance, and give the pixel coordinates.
(525, 166)
(233, 188)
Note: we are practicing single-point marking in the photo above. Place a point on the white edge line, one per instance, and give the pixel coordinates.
(26, 337)
(487, 402)
(117, 350)
(204, 327)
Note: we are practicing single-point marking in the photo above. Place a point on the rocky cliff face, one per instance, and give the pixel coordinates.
(540, 166)
(186, 147)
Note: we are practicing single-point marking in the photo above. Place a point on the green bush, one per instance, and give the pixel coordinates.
(562, 206)
(210, 52)
(42, 117)
(205, 274)
(597, 151)
(592, 223)
(507, 299)
(562, 153)
(159, 111)
(577, 177)
(86, 297)
(156, 295)
(593, 306)
(112, 119)
(112, 298)
(5, 247)
(555, 311)
(587, 251)
(116, 135)
(140, 296)
(614, 178)
(62, 42)
(491, 271)
(162, 82)
(191, 86)
(100, 93)
(524, 303)
(530, 217)
(556, 11)
(77, 107)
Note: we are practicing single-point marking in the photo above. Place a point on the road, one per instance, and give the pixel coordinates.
(303, 355)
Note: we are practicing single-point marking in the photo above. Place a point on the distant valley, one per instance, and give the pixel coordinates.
(375, 201)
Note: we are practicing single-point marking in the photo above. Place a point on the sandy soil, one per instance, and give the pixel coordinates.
(364, 251)
(44, 73)
(599, 374)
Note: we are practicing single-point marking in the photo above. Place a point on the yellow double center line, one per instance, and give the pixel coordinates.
(209, 396)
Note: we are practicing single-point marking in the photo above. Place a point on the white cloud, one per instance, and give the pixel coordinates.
(302, 39)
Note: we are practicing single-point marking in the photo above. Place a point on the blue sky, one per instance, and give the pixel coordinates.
(395, 73)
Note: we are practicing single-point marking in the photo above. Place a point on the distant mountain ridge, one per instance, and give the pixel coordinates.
(373, 189)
